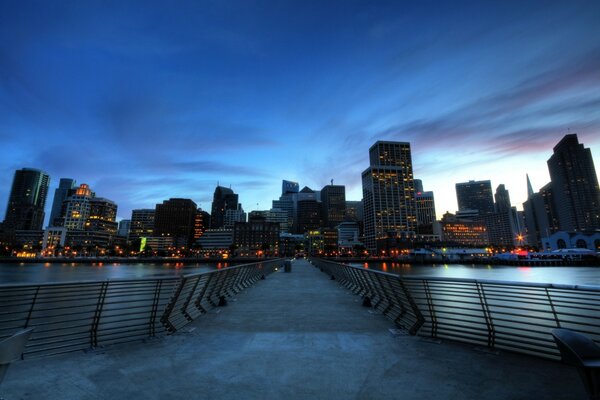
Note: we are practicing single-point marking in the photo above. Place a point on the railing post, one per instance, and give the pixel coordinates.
(171, 305)
(431, 308)
(98, 313)
(553, 309)
(154, 310)
(420, 320)
(37, 290)
(487, 315)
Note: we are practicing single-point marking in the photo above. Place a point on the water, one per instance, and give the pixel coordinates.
(69, 272)
(560, 275)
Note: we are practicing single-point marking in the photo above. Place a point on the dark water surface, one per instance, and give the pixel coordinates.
(69, 272)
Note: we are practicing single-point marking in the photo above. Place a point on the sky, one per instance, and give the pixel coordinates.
(149, 100)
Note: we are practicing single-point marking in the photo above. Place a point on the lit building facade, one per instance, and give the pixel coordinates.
(256, 237)
(142, 223)
(388, 193)
(463, 232)
(76, 208)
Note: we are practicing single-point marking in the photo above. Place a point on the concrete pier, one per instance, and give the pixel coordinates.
(294, 335)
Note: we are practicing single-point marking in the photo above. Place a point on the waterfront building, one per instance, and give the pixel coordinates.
(142, 223)
(124, 227)
(201, 223)
(574, 186)
(27, 199)
(291, 244)
(102, 216)
(66, 188)
(256, 237)
(463, 232)
(223, 199)
(76, 209)
(286, 204)
(388, 193)
(215, 242)
(475, 195)
(572, 240)
(157, 244)
(54, 237)
(176, 218)
(348, 236)
(333, 199)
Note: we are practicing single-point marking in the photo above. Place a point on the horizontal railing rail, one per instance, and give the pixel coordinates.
(71, 316)
(514, 316)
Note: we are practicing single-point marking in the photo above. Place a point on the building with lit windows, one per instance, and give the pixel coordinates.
(256, 237)
(76, 209)
(142, 223)
(388, 193)
(201, 223)
(463, 232)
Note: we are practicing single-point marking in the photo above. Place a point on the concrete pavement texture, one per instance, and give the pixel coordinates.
(294, 335)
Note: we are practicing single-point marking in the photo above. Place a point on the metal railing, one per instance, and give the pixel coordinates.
(512, 316)
(82, 315)
(387, 293)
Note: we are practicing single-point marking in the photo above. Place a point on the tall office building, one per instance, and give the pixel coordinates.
(65, 188)
(389, 193)
(475, 195)
(223, 199)
(574, 186)
(124, 226)
(333, 199)
(201, 223)
(25, 209)
(102, 216)
(142, 223)
(425, 203)
(289, 187)
(76, 209)
(176, 218)
(541, 218)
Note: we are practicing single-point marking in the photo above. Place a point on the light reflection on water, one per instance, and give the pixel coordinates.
(560, 275)
(68, 272)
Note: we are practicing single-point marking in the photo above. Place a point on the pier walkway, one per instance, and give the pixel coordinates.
(294, 335)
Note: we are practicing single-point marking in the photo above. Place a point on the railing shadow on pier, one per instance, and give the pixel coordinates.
(513, 316)
(85, 315)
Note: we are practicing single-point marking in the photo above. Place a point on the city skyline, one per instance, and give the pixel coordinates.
(173, 101)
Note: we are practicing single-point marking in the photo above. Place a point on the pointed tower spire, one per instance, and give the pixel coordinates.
(529, 188)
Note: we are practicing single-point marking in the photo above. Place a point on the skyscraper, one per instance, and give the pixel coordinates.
(309, 211)
(574, 185)
(142, 223)
(223, 199)
(65, 189)
(333, 198)
(25, 210)
(76, 208)
(176, 218)
(289, 187)
(475, 195)
(389, 193)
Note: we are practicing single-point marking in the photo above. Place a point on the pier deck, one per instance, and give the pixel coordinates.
(292, 336)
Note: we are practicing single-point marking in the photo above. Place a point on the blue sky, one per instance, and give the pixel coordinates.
(150, 100)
